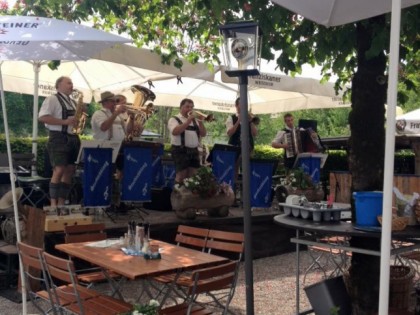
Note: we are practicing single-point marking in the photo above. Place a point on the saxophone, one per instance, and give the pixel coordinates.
(141, 112)
(80, 115)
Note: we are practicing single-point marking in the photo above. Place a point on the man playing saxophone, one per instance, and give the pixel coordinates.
(57, 113)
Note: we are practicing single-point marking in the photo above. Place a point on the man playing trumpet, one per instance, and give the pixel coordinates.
(108, 123)
(233, 131)
(186, 130)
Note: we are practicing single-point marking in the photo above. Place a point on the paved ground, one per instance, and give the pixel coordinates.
(274, 289)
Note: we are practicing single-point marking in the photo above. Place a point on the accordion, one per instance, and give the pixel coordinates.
(302, 140)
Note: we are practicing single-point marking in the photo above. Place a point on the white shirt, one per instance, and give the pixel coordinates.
(229, 122)
(191, 137)
(52, 107)
(118, 127)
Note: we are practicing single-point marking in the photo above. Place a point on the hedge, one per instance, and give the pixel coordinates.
(337, 159)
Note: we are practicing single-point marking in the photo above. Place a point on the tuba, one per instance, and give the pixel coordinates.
(80, 115)
(139, 111)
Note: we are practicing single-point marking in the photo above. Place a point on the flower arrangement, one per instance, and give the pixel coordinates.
(204, 183)
(298, 179)
(148, 309)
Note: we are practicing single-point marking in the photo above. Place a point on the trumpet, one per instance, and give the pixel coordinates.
(253, 118)
(202, 116)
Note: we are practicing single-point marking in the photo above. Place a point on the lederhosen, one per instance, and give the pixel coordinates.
(191, 153)
(235, 139)
(61, 142)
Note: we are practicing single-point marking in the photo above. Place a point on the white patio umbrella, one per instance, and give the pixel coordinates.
(339, 12)
(37, 38)
(217, 96)
(409, 123)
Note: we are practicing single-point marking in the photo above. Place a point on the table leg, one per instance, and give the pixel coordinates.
(115, 285)
(297, 275)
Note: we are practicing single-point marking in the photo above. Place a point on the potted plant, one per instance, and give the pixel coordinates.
(297, 182)
(201, 191)
(146, 309)
(329, 297)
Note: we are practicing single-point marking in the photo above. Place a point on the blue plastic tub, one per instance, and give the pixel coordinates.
(368, 207)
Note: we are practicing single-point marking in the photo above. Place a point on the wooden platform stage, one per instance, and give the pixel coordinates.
(268, 239)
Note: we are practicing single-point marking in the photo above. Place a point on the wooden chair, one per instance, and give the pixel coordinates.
(187, 236)
(91, 233)
(34, 273)
(223, 243)
(230, 245)
(84, 300)
(203, 281)
(192, 237)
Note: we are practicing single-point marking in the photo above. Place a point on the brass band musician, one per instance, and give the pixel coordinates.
(185, 130)
(279, 142)
(58, 114)
(233, 128)
(108, 123)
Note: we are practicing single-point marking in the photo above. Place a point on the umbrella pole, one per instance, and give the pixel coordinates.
(37, 67)
(389, 157)
(12, 184)
(246, 199)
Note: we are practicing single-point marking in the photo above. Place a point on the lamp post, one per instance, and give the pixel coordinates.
(242, 53)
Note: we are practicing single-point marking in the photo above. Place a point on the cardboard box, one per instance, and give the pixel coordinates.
(54, 223)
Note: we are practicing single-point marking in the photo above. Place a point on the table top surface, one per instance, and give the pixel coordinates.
(343, 228)
(173, 258)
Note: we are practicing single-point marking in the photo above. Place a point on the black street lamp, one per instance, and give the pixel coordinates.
(242, 54)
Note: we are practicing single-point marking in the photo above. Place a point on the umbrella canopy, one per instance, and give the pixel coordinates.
(409, 124)
(293, 94)
(90, 77)
(338, 12)
(37, 38)
(144, 58)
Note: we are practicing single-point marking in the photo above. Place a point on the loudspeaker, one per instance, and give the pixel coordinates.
(308, 123)
(161, 199)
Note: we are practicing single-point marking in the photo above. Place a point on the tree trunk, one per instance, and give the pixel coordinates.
(366, 156)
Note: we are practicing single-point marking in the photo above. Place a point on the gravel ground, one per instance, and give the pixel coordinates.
(274, 288)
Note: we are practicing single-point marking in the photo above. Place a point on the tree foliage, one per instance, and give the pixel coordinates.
(189, 29)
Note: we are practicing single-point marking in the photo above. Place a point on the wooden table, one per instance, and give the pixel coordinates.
(174, 258)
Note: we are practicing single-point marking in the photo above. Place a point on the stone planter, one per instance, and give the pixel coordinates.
(185, 203)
